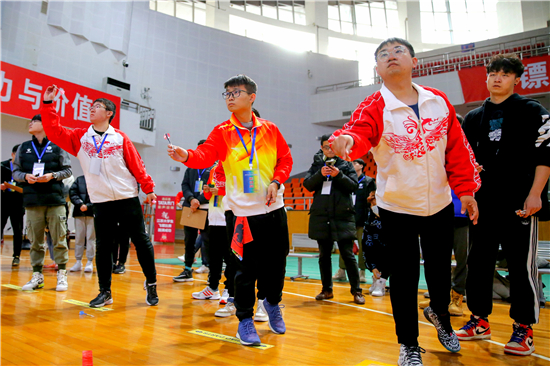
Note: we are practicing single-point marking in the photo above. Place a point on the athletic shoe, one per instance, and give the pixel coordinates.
(424, 304)
(89, 267)
(77, 267)
(362, 277)
(476, 328)
(182, 258)
(521, 343)
(276, 322)
(104, 298)
(62, 284)
(185, 276)
(225, 296)
(340, 275)
(410, 356)
(358, 298)
(119, 269)
(152, 299)
(207, 294)
(37, 281)
(51, 266)
(426, 295)
(261, 315)
(378, 287)
(371, 288)
(15, 262)
(202, 269)
(247, 333)
(228, 310)
(445, 332)
(455, 307)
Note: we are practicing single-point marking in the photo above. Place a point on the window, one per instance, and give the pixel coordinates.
(191, 10)
(373, 19)
(286, 11)
(357, 51)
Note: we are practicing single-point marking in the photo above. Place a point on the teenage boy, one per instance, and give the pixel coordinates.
(113, 168)
(420, 150)
(507, 131)
(252, 151)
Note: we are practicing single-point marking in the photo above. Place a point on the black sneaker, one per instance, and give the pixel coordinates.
(119, 269)
(15, 262)
(152, 298)
(185, 276)
(104, 298)
(445, 333)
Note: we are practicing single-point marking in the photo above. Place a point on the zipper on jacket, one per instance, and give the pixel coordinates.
(427, 159)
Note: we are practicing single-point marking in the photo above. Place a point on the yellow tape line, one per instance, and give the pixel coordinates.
(9, 285)
(86, 305)
(373, 363)
(226, 338)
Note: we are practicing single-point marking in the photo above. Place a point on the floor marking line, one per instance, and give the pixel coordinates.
(86, 305)
(19, 288)
(226, 338)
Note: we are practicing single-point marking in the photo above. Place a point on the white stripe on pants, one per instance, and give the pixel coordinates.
(85, 234)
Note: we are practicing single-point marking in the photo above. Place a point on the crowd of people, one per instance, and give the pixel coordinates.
(430, 168)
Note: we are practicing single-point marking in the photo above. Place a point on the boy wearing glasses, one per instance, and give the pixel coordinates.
(256, 159)
(421, 153)
(113, 169)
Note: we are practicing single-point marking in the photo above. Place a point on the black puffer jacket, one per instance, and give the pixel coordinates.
(332, 216)
(79, 196)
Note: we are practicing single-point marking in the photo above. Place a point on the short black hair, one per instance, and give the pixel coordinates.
(506, 62)
(110, 106)
(360, 161)
(241, 79)
(201, 142)
(255, 111)
(37, 118)
(402, 41)
(460, 119)
(325, 138)
(14, 150)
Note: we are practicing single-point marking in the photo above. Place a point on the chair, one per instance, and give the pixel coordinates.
(299, 204)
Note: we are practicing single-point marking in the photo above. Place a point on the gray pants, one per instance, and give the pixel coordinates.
(85, 234)
(461, 248)
(54, 218)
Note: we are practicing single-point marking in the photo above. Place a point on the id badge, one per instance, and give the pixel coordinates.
(353, 198)
(38, 169)
(198, 186)
(95, 166)
(250, 181)
(327, 184)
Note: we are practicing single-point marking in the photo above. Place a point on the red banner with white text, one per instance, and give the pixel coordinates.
(165, 219)
(534, 80)
(23, 91)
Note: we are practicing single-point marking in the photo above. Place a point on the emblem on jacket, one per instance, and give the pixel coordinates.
(495, 129)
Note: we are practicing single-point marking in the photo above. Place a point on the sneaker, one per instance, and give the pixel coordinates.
(358, 298)
(119, 269)
(379, 287)
(228, 310)
(424, 304)
(247, 333)
(15, 262)
(104, 298)
(275, 321)
(410, 356)
(426, 295)
(445, 332)
(51, 266)
(225, 296)
(455, 307)
(207, 294)
(521, 343)
(185, 276)
(182, 258)
(152, 299)
(37, 281)
(89, 267)
(371, 288)
(62, 284)
(340, 275)
(261, 315)
(202, 269)
(77, 267)
(362, 277)
(324, 295)
(476, 328)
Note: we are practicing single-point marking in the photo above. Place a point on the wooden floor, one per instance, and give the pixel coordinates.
(40, 328)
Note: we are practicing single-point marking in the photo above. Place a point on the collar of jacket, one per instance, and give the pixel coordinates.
(238, 124)
(44, 141)
(91, 132)
(391, 102)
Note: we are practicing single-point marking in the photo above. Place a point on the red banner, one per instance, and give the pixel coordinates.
(165, 219)
(23, 90)
(534, 80)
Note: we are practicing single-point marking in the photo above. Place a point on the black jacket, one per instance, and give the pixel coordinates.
(10, 200)
(188, 185)
(503, 138)
(79, 196)
(55, 160)
(366, 185)
(332, 216)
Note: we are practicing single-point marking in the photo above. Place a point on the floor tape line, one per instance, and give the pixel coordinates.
(9, 285)
(226, 338)
(86, 305)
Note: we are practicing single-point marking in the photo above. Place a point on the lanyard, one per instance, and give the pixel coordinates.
(11, 167)
(43, 151)
(252, 149)
(360, 180)
(100, 146)
(200, 173)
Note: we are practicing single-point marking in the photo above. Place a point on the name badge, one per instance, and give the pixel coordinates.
(95, 166)
(353, 198)
(38, 169)
(250, 181)
(327, 185)
(198, 186)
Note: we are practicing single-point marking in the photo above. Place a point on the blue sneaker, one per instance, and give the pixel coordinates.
(276, 322)
(247, 333)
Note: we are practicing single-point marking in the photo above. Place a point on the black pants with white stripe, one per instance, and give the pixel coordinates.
(519, 240)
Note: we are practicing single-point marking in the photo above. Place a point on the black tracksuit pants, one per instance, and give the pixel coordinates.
(191, 234)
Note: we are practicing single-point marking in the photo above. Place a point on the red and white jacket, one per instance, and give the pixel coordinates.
(121, 165)
(416, 160)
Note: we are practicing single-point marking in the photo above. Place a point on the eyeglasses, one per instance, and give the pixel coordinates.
(234, 93)
(96, 106)
(397, 51)
(326, 147)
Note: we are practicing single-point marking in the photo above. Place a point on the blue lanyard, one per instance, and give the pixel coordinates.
(43, 151)
(11, 167)
(200, 173)
(100, 146)
(361, 179)
(252, 147)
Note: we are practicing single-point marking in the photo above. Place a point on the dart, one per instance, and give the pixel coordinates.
(167, 137)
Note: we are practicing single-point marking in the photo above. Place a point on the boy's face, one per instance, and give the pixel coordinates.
(327, 150)
(501, 83)
(394, 59)
(98, 113)
(358, 168)
(35, 126)
(241, 103)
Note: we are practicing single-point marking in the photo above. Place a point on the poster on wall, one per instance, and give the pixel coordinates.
(165, 219)
(23, 90)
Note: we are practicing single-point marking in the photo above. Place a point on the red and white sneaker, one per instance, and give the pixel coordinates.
(207, 294)
(521, 343)
(225, 296)
(476, 328)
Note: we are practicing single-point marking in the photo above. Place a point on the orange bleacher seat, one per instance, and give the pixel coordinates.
(300, 204)
(302, 180)
(295, 181)
(297, 194)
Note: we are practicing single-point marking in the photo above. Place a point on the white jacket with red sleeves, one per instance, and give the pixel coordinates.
(121, 165)
(416, 160)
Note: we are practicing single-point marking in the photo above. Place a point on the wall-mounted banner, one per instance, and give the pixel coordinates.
(165, 219)
(23, 90)
(535, 80)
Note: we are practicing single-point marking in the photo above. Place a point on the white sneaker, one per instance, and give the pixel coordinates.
(77, 267)
(182, 258)
(261, 315)
(362, 277)
(37, 281)
(202, 269)
(225, 296)
(227, 310)
(89, 267)
(371, 288)
(207, 294)
(340, 275)
(379, 287)
(62, 284)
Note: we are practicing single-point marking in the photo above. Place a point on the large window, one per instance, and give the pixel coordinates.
(191, 10)
(287, 11)
(357, 51)
(374, 19)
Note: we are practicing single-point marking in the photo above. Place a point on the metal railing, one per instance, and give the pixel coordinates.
(339, 86)
(146, 114)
